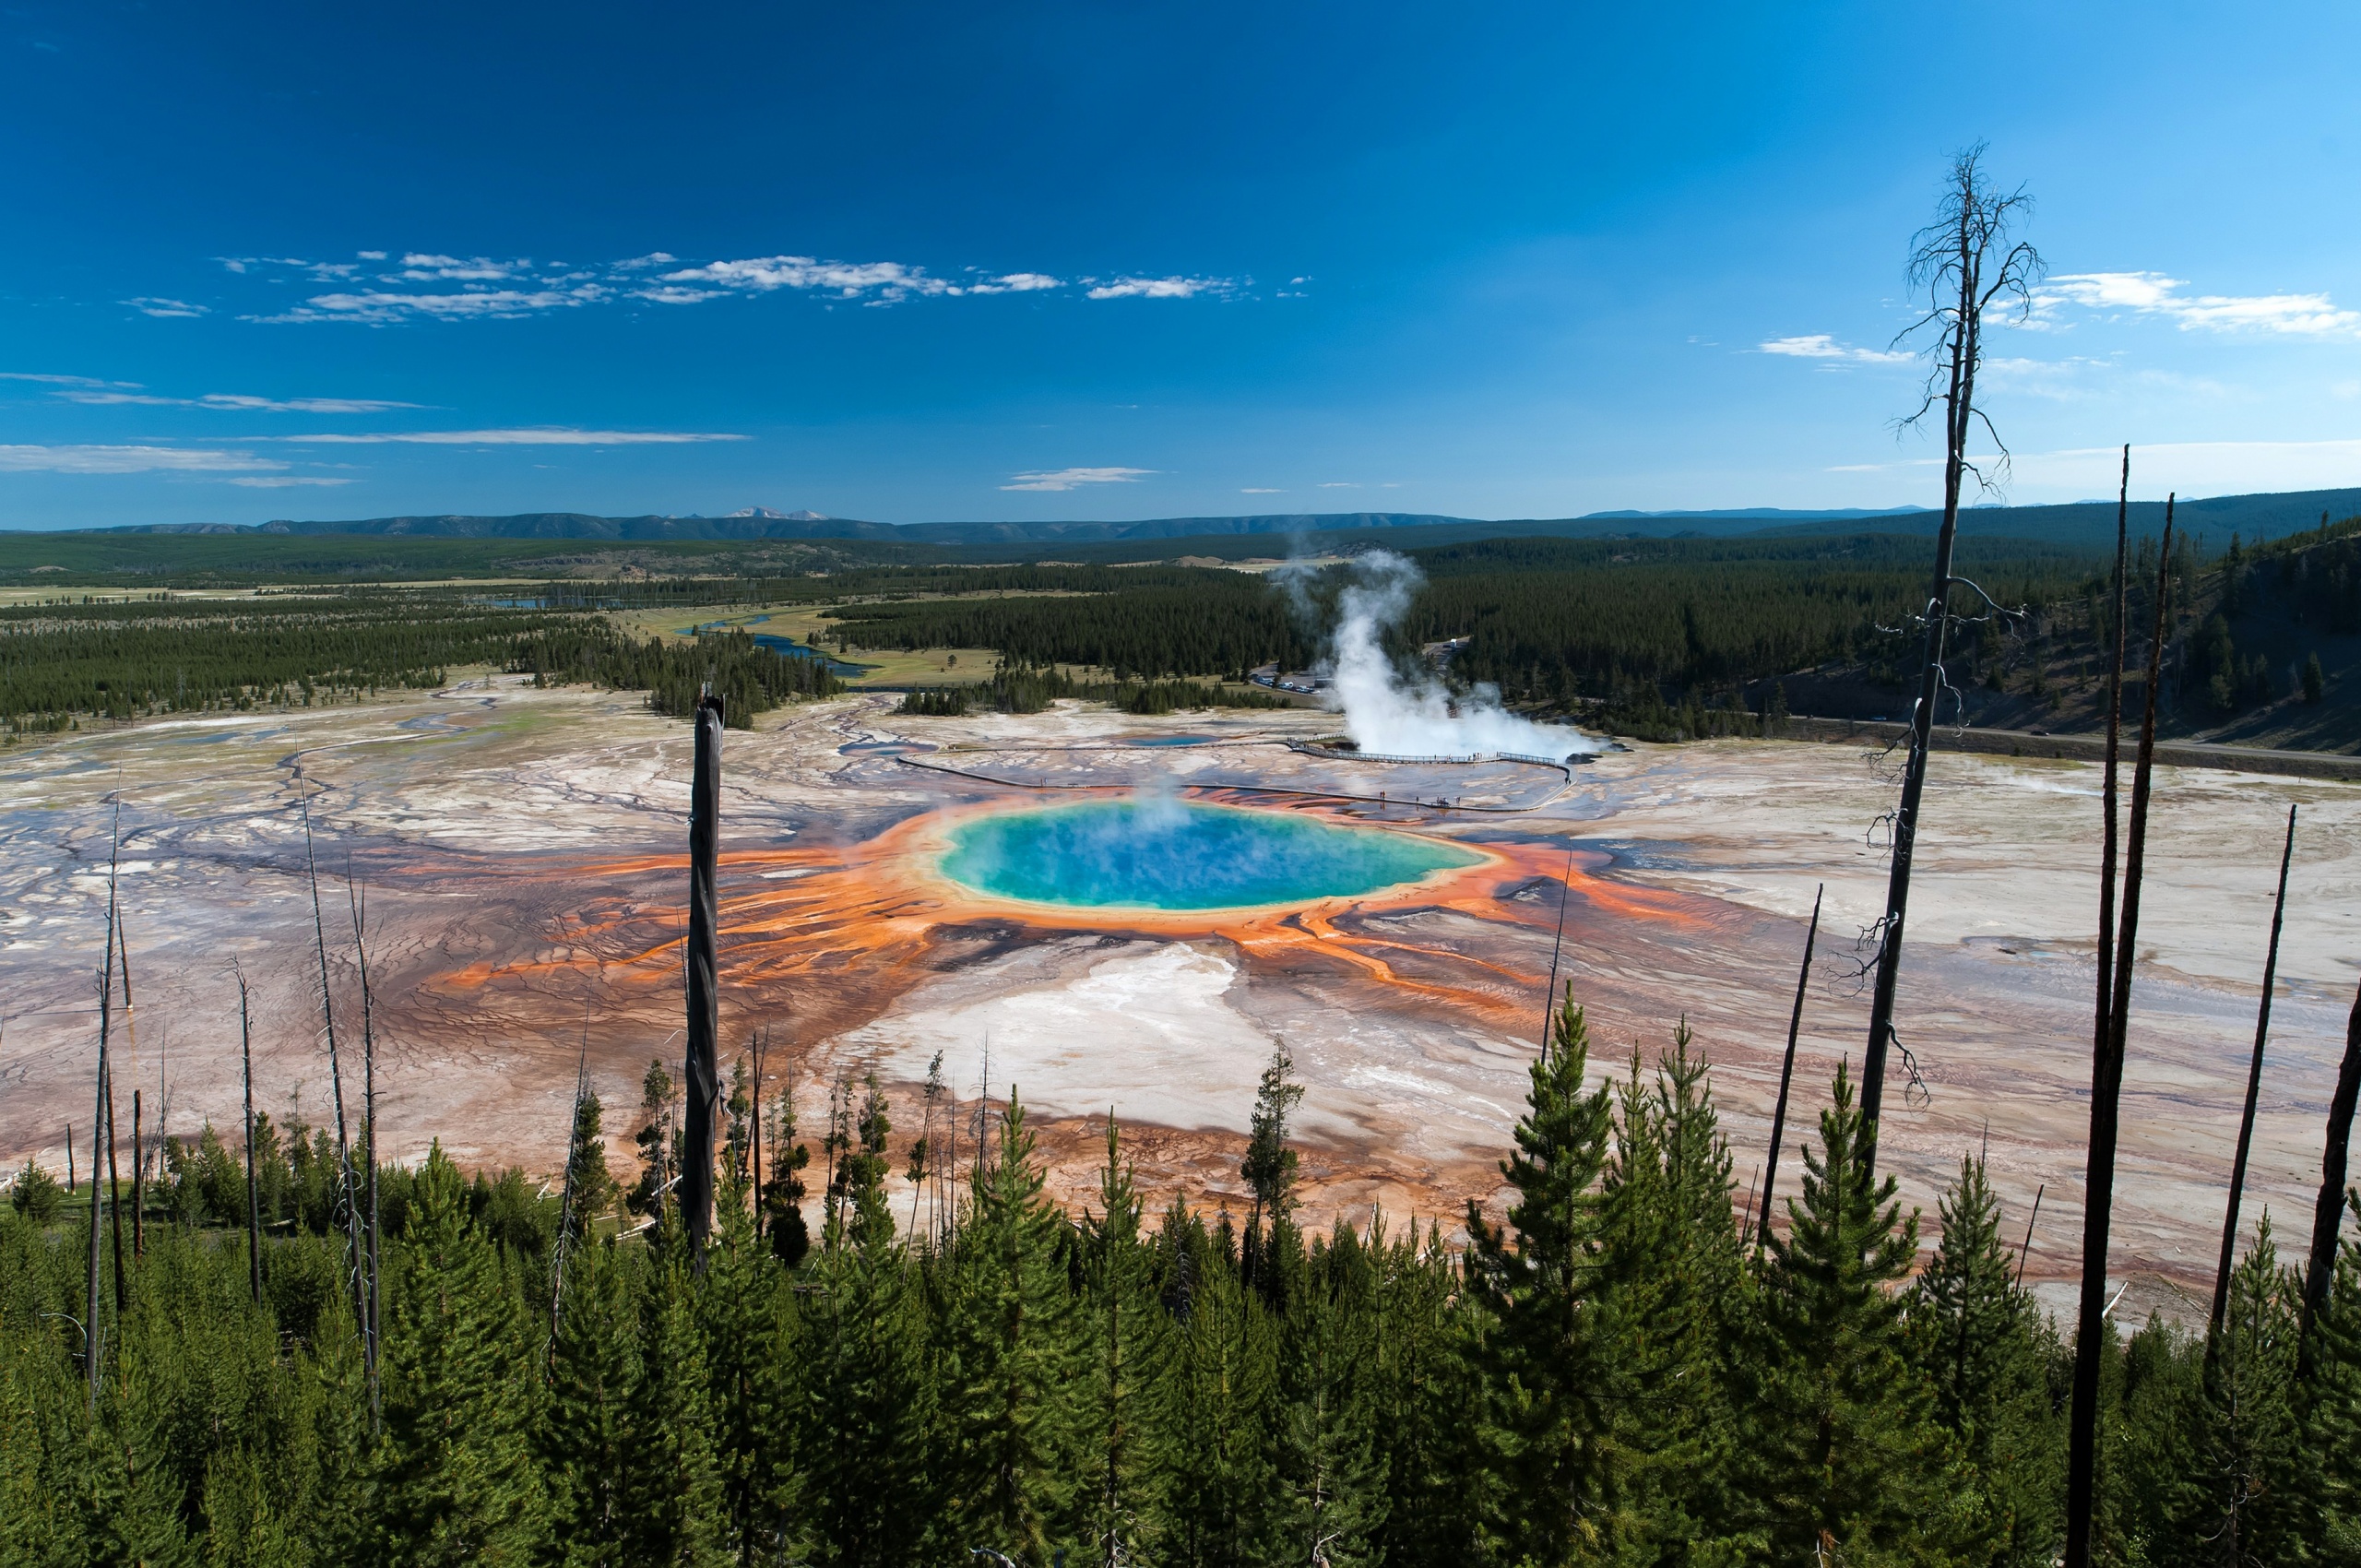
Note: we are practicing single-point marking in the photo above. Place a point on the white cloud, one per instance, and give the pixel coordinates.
(1160, 288)
(419, 266)
(488, 288)
(537, 436)
(1074, 479)
(843, 280)
(1338, 484)
(1258, 490)
(376, 307)
(1821, 346)
(236, 402)
(149, 305)
(128, 460)
(60, 380)
(2156, 294)
(280, 482)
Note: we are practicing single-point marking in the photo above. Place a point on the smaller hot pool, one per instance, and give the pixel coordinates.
(1182, 855)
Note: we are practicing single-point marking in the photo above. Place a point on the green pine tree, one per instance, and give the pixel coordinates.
(672, 1487)
(1987, 1352)
(1331, 1472)
(1545, 1354)
(1126, 1329)
(1672, 1290)
(2330, 1520)
(1017, 1342)
(451, 1480)
(584, 1438)
(1848, 1462)
(1216, 1406)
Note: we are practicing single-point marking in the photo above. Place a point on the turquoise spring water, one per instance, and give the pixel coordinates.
(1181, 855)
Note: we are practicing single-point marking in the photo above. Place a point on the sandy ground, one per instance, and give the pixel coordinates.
(521, 852)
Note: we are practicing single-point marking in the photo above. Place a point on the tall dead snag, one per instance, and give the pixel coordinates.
(254, 1190)
(1787, 1070)
(1964, 263)
(93, 1334)
(372, 1298)
(353, 1266)
(702, 1071)
(2329, 1211)
(2107, 1090)
(2246, 1121)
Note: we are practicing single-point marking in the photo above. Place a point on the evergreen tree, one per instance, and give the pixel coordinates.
(1850, 1463)
(784, 1191)
(2330, 1521)
(871, 1407)
(2246, 1444)
(1127, 1348)
(1546, 1352)
(1986, 1352)
(672, 1487)
(1331, 1474)
(1269, 1165)
(658, 1156)
(591, 1184)
(1671, 1291)
(450, 1480)
(585, 1439)
(1016, 1342)
(1443, 1494)
(1215, 1410)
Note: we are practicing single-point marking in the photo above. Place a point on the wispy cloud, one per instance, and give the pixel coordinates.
(1160, 288)
(1338, 484)
(2154, 294)
(1824, 347)
(152, 306)
(234, 402)
(426, 285)
(376, 307)
(534, 436)
(1075, 478)
(1258, 490)
(129, 460)
(280, 482)
(61, 380)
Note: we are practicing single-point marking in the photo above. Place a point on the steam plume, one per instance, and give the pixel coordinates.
(1398, 715)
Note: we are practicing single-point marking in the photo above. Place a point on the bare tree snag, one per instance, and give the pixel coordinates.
(701, 1073)
(2107, 1090)
(2246, 1121)
(1965, 262)
(1787, 1070)
(2329, 1211)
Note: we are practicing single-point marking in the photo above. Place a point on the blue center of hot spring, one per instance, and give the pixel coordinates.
(1176, 855)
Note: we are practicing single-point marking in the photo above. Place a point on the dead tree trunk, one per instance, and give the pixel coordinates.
(2106, 1089)
(254, 1190)
(2329, 1212)
(352, 1260)
(373, 1297)
(1787, 1070)
(2246, 1121)
(138, 1183)
(702, 1071)
(1966, 263)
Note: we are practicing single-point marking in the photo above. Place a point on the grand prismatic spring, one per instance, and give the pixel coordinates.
(1104, 911)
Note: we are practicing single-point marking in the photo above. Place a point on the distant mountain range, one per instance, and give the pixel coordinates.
(2085, 522)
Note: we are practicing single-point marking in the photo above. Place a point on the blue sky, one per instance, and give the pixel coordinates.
(1049, 260)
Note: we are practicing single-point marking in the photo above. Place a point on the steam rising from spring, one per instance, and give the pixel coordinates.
(1397, 714)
